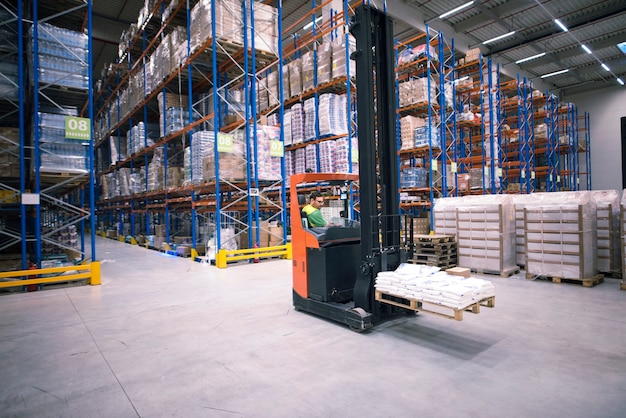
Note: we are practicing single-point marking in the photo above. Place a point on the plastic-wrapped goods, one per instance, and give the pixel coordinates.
(263, 94)
(408, 124)
(486, 233)
(339, 68)
(273, 91)
(311, 157)
(332, 114)
(308, 71)
(63, 158)
(431, 285)
(346, 155)
(427, 136)
(297, 123)
(310, 119)
(295, 77)
(289, 164)
(607, 218)
(288, 139)
(265, 28)
(228, 22)
(413, 177)
(324, 62)
(62, 57)
(327, 156)
(232, 165)
(299, 164)
(561, 236)
(269, 167)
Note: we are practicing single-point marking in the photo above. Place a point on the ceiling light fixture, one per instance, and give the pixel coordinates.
(456, 9)
(561, 25)
(586, 48)
(310, 24)
(497, 38)
(619, 80)
(606, 67)
(530, 58)
(554, 73)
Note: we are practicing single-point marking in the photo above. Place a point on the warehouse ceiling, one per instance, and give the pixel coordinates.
(598, 24)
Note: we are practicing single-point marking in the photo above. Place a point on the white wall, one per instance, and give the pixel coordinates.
(605, 108)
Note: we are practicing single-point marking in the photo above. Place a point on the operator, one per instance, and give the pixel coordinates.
(312, 210)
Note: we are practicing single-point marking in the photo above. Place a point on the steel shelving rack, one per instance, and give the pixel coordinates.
(200, 87)
(53, 194)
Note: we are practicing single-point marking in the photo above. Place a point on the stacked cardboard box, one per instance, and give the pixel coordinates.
(561, 237)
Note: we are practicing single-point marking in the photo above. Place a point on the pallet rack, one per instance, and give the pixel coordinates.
(214, 86)
(52, 196)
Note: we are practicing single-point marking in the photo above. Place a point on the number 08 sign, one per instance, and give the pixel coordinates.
(77, 128)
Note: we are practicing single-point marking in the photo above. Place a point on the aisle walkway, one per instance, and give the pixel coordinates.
(164, 336)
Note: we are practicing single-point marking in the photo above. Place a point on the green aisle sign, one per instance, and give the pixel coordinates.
(276, 149)
(77, 128)
(224, 143)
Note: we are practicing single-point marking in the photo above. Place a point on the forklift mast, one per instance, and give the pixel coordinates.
(378, 153)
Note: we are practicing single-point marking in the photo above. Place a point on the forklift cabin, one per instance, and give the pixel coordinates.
(334, 269)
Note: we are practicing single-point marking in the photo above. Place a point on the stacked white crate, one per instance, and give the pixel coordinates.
(560, 236)
(445, 215)
(622, 230)
(520, 202)
(607, 221)
(486, 234)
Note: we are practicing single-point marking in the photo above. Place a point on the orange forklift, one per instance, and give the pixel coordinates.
(334, 267)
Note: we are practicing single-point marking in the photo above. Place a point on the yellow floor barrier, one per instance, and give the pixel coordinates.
(224, 256)
(90, 271)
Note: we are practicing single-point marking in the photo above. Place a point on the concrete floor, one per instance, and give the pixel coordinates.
(164, 336)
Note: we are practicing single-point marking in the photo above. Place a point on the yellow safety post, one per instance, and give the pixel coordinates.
(220, 259)
(95, 273)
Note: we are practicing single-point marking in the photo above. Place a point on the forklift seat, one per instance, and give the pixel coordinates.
(303, 216)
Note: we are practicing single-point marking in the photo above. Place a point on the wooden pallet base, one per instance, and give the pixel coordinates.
(588, 282)
(503, 273)
(432, 308)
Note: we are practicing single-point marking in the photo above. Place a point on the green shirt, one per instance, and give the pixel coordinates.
(314, 216)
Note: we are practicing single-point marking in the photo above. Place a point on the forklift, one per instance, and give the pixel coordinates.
(334, 267)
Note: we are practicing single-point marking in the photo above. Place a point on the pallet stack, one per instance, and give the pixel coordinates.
(560, 237)
(435, 250)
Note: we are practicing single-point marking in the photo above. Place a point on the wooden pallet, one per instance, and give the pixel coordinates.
(504, 273)
(588, 282)
(433, 308)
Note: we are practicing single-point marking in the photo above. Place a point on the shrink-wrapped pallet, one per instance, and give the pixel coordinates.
(560, 235)
(324, 63)
(486, 233)
(308, 71)
(445, 215)
(295, 77)
(607, 221)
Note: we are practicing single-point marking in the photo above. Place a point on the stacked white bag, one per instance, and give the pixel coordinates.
(430, 284)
